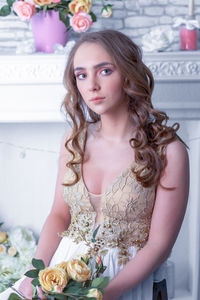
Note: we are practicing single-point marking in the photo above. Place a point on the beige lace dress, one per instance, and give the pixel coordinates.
(126, 209)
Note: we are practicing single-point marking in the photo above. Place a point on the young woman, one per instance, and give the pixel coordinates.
(121, 167)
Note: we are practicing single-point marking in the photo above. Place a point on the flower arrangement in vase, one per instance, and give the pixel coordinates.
(75, 14)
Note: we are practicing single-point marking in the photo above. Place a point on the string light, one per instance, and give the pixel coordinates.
(23, 149)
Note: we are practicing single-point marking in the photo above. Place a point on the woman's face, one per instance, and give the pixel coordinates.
(98, 80)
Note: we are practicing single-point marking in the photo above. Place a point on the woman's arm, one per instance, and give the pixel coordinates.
(168, 214)
(59, 218)
(57, 221)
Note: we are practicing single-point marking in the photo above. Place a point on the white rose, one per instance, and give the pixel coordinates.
(106, 11)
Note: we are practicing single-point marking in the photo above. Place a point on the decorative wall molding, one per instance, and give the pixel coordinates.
(41, 68)
(174, 65)
(33, 89)
(32, 69)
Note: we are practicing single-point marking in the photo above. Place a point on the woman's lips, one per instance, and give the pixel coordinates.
(97, 99)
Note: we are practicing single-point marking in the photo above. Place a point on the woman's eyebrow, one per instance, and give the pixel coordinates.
(96, 66)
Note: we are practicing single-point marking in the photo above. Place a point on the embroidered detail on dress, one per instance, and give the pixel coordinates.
(126, 208)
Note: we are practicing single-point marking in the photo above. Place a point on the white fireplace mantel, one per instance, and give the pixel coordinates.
(32, 87)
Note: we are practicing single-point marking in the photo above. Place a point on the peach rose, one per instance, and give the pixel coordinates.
(45, 2)
(81, 22)
(78, 270)
(25, 10)
(12, 251)
(80, 5)
(63, 265)
(2, 249)
(42, 2)
(3, 236)
(53, 279)
(95, 293)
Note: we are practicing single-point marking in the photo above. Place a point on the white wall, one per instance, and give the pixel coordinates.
(27, 184)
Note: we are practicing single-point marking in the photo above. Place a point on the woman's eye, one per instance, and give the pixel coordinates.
(80, 76)
(106, 71)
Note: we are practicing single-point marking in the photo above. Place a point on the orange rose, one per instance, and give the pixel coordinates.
(63, 265)
(81, 22)
(42, 2)
(24, 9)
(53, 279)
(78, 270)
(80, 5)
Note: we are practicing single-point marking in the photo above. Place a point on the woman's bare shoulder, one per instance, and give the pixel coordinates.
(176, 151)
(177, 163)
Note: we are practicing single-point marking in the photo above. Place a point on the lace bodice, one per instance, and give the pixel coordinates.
(126, 208)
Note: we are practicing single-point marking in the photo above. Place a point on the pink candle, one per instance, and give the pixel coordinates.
(188, 39)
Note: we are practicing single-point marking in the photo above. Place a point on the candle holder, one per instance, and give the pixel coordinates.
(188, 38)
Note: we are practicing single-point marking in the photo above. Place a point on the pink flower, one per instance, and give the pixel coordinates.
(98, 260)
(55, 1)
(25, 10)
(81, 22)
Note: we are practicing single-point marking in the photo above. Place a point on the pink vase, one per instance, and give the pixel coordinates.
(188, 39)
(48, 30)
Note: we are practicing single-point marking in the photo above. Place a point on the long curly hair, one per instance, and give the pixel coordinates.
(152, 133)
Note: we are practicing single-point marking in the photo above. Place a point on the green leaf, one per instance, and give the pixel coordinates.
(73, 290)
(14, 297)
(1, 224)
(64, 19)
(73, 283)
(5, 11)
(44, 8)
(59, 296)
(52, 5)
(102, 269)
(32, 273)
(38, 264)
(35, 282)
(100, 282)
(10, 2)
(51, 298)
(94, 18)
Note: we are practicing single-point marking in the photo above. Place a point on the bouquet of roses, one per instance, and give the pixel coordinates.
(17, 247)
(78, 278)
(71, 12)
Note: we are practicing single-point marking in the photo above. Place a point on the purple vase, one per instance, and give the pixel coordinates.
(48, 30)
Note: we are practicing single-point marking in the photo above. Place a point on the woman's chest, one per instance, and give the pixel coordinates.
(104, 165)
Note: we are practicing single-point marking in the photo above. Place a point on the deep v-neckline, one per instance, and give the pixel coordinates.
(110, 185)
(127, 169)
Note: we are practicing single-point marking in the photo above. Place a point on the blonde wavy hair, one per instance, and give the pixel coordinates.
(152, 133)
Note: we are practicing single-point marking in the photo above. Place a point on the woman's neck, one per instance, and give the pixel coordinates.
(116, 130)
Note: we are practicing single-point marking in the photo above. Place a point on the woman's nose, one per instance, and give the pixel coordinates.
(93, 84)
